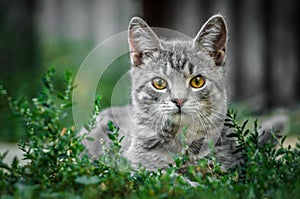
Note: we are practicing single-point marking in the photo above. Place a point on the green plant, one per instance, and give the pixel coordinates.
(266, 170)
(57, 166)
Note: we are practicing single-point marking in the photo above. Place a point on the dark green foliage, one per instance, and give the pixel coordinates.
(57, 168)
(267, 170)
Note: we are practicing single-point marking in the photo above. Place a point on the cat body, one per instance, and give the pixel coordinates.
(178, 96)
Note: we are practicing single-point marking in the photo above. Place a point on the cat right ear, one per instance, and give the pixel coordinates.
(213, 38)
(142, 40)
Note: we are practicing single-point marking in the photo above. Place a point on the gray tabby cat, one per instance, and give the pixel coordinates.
(178, 87)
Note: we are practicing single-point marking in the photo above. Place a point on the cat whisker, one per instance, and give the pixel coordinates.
(223, 115)
(203, 121)
(213, 121)
(220, 128)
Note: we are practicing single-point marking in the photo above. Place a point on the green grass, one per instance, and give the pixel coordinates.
(56, 167)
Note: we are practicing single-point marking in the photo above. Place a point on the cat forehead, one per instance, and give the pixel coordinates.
(181, 57)
(173, 66)
(176, 45)
(184, 50)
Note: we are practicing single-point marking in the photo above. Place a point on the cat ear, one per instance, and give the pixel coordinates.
(142, 40)
(213, 38)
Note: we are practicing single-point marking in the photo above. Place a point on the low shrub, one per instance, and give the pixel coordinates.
(56, 167)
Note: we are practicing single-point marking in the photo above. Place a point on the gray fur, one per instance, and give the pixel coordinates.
(153, 124)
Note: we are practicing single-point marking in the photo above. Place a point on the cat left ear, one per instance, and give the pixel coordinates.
(142, 40)
(213, 38)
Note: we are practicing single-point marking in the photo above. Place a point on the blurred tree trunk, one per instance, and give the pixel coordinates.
(18, 57)
(297, 42)
(280, 52)
(157, 13)
(237, 46)
(18, 40)
(267, 9)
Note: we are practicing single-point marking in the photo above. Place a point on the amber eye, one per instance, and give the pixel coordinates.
(197, 82)
(159, 83)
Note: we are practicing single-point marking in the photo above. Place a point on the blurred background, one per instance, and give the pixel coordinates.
(263, 49)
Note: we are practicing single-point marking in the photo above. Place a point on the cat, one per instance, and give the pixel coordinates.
(178, 88)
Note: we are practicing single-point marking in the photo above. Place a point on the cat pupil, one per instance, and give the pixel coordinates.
(159, 83)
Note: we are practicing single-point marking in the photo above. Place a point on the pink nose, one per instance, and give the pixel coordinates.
(179, 102)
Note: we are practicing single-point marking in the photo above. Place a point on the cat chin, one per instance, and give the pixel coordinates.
(185, 120)
(181, 119)
(176, 117)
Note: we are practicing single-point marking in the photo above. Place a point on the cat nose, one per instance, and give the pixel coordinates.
(179, 102)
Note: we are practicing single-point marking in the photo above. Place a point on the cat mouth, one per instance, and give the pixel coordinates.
(179, 112)
(176, 112)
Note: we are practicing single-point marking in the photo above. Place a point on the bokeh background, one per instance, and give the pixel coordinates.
(263, 49)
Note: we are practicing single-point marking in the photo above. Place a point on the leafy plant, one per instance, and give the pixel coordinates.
(57, 167)
(266, 170)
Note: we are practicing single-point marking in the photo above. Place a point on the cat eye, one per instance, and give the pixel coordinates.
(197, 82)
(159, 83)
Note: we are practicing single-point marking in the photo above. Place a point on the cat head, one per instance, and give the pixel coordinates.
(177, 82)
